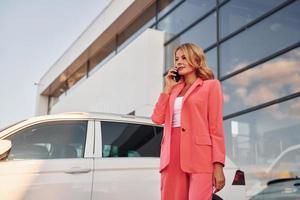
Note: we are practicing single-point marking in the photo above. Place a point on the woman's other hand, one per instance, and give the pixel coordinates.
(218, 177)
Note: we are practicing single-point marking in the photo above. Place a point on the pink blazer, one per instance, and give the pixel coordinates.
(202, 132)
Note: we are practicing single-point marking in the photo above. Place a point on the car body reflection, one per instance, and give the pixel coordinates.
(286, 188)
(282, 177)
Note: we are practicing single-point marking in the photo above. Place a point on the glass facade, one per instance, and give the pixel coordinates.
(261, 40)
(202, 34)
(269, 81)
(253, 48)
(257, 139)
(183, 16)
(238, 13)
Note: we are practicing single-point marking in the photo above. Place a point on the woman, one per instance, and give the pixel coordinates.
(192, 147)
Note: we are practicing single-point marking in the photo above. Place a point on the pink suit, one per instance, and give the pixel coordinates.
(199, 140)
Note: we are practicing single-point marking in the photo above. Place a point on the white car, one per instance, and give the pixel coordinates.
(82, 156)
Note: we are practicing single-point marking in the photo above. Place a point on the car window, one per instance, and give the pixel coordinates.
(49, 140)
(130, 140)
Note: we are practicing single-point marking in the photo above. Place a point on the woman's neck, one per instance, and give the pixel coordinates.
(189, 79)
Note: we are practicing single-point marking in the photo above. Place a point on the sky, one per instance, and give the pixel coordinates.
(34, 34)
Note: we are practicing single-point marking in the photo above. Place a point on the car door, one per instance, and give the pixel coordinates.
(49, 160)
(126, 161)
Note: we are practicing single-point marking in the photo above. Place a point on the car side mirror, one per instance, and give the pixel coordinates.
(5, 147)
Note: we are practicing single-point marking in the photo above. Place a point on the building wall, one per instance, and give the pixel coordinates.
(105, 18)
(98, 26)
(128, 82)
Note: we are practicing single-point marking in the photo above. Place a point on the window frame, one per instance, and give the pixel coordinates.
(88, 149)
(98, 136)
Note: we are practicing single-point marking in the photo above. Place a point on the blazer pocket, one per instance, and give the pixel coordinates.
(203, 140)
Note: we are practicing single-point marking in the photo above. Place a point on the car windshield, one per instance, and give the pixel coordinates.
(6, 127)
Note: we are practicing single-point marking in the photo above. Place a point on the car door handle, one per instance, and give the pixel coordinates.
(77, 170)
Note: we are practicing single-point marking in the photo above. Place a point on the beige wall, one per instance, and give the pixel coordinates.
(132, 80)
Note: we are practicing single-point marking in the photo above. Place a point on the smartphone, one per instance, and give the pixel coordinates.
(177, 76)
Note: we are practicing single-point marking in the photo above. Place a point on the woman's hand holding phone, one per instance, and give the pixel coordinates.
(171, 80)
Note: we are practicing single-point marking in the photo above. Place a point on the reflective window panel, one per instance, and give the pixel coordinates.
(237, 13)
(165, 6)
(277, 32)
(271, 80)
(265, 144)
(202, 34)
(169, 54)
(184, 15)
(211, 60)
(220, 1)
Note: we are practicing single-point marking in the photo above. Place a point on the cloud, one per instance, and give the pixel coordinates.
(295, 109)
(274, 79)
(290, 112)
(226, 97)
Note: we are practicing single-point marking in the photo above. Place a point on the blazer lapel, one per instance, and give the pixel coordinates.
(178, 89)
(199, 81)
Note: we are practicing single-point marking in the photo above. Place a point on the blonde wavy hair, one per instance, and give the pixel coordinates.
(196, 58)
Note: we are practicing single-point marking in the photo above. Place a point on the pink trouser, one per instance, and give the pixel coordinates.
(179, 185)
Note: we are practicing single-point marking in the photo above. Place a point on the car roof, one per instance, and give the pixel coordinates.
(81, 116)
(93, 115)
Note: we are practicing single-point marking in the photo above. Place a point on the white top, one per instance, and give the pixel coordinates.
(177, 112)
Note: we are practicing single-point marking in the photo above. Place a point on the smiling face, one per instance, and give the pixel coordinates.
(191, 61)
(182, 64)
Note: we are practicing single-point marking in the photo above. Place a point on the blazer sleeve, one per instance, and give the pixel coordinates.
(159, 112)
(215, 120)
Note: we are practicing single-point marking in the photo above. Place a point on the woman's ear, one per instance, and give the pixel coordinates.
(198, 60)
